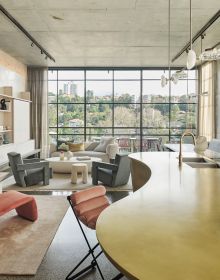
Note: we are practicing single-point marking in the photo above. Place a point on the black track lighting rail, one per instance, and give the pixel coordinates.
(198, 34)
(26, 33)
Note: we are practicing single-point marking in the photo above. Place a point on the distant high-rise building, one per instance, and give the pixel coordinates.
(73, 89)
(133, 98)
(89, 95)
(65, 88)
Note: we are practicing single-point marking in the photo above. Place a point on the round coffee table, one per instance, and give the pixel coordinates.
(64, 166)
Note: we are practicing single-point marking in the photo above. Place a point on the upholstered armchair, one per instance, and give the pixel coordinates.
(112, 174)
(28, 172)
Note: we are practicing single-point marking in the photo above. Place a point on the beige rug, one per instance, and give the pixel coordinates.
(23, 244)
(61, 182)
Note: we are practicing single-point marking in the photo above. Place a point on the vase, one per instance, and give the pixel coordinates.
(201, 144)
(1, 139)
(69, 155)
(61, 155)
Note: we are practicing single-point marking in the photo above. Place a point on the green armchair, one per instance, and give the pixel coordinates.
(112, 175)
(28, 172)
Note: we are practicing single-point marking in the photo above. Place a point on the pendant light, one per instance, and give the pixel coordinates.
(202, 93)
(164, 80)
(179, 74)
(191, 57)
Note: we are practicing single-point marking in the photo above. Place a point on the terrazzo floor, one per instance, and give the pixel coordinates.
(67, 249)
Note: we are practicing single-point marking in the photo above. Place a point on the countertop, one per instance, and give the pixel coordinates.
(170, 228)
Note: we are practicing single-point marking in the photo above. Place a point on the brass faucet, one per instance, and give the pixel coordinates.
(186, 133)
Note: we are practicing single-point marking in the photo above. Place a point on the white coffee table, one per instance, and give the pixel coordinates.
(64, 166)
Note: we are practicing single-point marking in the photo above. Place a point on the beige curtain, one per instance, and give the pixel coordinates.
(37, 85)
(207, 101)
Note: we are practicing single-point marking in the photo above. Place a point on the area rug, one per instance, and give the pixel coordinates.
(23, 244)
(61, 182)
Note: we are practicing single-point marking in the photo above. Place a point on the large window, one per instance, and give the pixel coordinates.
(86, 104)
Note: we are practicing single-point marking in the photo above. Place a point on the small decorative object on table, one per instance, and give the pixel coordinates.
(69, 155)
(61, 155)
(83, 158)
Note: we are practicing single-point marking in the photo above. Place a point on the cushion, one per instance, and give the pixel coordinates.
(74, 147)
(60, 141)
(84, 195)
(90, 218)
(214, 145)
(91, 146)
(90, 204)
(104, 142)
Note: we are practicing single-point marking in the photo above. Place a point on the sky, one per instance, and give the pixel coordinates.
(101, 88)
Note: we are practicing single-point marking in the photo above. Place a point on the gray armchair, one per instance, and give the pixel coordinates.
(28, 172)
(112, 174)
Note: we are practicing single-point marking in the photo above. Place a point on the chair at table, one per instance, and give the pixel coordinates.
(112, 175)
(87, 205)
(124, 144)
(28, 172)
(152, 144)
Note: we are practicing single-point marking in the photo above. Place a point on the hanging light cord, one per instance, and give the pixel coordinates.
(190, 22)
(169, 38)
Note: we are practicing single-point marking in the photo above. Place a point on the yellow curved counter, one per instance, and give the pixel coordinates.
(169, 229)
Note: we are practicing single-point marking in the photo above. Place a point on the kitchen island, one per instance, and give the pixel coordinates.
(169, 229)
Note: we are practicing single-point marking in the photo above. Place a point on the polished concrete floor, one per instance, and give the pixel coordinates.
(67, 249)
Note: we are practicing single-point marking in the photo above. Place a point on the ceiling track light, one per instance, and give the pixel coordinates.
(26, 33)
(198, 34)
(210, 54)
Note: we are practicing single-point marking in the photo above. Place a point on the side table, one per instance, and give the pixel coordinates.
(79, 168)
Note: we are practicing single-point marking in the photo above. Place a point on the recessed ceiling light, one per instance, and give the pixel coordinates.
(57, 18)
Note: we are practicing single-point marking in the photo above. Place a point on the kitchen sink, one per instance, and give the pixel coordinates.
(200, 162)
(192, 159)
(202, 165)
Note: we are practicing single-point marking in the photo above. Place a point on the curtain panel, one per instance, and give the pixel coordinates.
(207, 110)
(37, 84)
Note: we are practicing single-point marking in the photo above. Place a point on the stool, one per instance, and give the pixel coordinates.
(79, 168)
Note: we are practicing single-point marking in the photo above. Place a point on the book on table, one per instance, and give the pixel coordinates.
(83, 158)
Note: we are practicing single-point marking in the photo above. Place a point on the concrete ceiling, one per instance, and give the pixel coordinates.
(105, 32)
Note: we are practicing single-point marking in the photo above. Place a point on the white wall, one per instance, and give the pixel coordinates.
(21, 121)
(12, 73)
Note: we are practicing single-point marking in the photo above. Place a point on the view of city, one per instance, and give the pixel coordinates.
(86, 104)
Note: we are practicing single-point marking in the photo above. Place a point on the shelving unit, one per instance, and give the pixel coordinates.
(6, 117)
(6, 130)
(6, 96)
(5, 111)
(15, 120)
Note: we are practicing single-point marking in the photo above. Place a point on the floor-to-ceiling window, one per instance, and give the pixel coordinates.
(85, 104)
